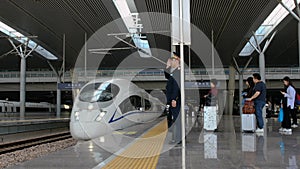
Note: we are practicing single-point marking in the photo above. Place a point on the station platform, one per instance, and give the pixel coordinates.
(16, 128)
(148, 146)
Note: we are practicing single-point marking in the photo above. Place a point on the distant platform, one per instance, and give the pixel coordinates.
(16, 125)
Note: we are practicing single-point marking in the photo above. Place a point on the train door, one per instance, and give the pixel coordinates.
(146, 107)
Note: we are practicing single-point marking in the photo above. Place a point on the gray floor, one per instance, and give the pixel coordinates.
(226, 148)
(229, 148)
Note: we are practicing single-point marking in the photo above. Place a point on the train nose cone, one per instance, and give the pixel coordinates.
(88, 130)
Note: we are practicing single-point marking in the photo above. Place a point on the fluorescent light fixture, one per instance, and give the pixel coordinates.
(270, 23)
(9, 31)
(131, 22)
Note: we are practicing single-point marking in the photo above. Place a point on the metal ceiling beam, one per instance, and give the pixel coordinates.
(226, 20)
(297, 17)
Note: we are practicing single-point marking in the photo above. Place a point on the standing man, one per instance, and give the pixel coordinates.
(172, 74)
(259, 98)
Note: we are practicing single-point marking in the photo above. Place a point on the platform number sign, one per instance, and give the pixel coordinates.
(69, 86)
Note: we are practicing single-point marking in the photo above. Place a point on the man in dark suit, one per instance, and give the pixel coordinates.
(172, 74)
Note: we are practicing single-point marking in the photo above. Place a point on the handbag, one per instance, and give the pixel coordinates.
(248, 107)
(280, 115)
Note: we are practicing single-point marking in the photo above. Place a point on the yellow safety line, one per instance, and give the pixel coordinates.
(144, 153)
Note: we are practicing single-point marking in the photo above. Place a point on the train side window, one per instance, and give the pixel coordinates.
(130, 104)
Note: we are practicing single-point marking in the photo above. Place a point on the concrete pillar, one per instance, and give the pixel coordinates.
(262, 65)
(241, 86)
(22, 87)
(58, 99)
(299, 39)
(231, 89)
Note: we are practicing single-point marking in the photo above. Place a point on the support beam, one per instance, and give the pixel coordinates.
(64, 58)
(299, 43)
(262, 67)
(257, 50)
(261, 52)
(58, 91)
(212, 53)
(22, 86)
(241, 81)
(297, 17)
(85, 56)
(58, 99)
(241, 86)
(298, 13)
(231, 89)
(290, 11)
(182, 91)
(23, 53)
(268, 42)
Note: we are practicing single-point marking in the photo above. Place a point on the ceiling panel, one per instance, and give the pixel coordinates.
(231, 20)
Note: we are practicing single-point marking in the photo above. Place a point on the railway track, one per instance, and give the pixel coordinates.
(25, 143)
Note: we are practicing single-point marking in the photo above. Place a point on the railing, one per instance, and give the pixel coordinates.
(143, 73)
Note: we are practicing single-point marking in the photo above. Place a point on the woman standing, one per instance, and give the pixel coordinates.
(288, 105)
(211, 97)
(247, 93)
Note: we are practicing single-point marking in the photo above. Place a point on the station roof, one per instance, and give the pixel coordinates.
(231, 20)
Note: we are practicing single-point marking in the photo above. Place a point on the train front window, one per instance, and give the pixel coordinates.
(99, 92)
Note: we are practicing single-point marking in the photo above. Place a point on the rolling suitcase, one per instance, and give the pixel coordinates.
(248, 122)
(210, 118)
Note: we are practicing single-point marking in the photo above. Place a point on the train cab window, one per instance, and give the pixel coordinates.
(99, 92)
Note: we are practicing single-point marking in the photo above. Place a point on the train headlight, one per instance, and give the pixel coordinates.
(90, 107)
(100, 116)
(76, 114)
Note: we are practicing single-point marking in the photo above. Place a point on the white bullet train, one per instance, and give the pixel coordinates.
(102, 107)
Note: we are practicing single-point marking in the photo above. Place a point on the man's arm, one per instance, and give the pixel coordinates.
(256, 94)
(167, 69)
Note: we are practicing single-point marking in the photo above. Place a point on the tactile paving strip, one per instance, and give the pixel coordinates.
(144, 153)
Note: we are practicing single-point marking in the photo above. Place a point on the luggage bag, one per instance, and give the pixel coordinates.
(210, 118)
(248, 122)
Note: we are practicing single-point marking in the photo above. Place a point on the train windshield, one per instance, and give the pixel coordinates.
(99, 92)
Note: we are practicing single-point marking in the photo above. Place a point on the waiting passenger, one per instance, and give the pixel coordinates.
(211, 97)
(288, 103)
(248, 93)
(259, 98)
(172, 75)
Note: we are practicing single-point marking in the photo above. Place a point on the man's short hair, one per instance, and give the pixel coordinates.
(256, 76)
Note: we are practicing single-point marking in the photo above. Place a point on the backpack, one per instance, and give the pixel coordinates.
(297, 98)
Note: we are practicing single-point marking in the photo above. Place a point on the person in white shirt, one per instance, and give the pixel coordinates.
(288, 105)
